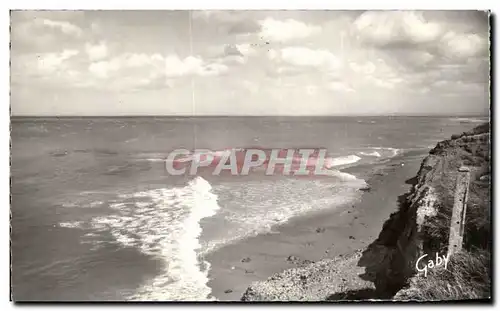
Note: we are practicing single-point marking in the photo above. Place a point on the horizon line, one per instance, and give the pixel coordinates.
(239, 115)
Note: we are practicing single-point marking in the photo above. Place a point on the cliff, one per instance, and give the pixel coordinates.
(431, 199)
(386, 268)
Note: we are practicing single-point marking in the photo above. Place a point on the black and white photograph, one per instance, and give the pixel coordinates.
(250, 156)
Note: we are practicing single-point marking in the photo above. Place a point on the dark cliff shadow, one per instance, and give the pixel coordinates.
(383, 262)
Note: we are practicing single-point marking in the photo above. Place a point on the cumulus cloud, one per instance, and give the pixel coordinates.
(116, 66)
(286, 30)
(410, 30)
(367, 68)
(246, 49)
(423, 48)
(36, 31)
(141, 67)
(231, 22)
(232, 50)
(377, 73)
(462, 46)
(320, 59)
(230, 54)
(52, 62)
(96, 52)
(47, 68)
(191, 65)
(383, 28)
(63, 26)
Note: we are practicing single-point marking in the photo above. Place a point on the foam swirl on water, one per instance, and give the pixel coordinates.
(164, 223)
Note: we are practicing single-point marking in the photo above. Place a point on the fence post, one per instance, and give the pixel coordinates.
(457, 223)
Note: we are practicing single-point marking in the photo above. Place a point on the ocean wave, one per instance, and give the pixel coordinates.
(164, 223)
(470, 120)
(339, 161)
(371, 154)
(71, 224)
(393, 151)
(82, 204)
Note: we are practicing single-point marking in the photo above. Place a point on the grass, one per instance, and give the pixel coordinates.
(468, 273)
(467, 277)
(475, 154)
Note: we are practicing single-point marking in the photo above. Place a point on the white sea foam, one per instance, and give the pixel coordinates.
(164, 223)
(470, 120)
(95, 203)
(371, 154)
(394, 151)
(254, 207)
(71, 224)
(331, 162)
(82, 204)
(155, 160)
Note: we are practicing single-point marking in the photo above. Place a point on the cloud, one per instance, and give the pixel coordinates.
(320, 59)
(367, 68)
(48, 68)
(231, 22)
(384, 83)
(421, 48)
(128, 71)
(191, 65)
(462, 46)
(63, 26)
(141, 70)
(286, 30)
(378, 73)
(232, 50)
(246, 49)
(33, 33)
(386, 28)
(96, 52)
(231, 54)
(128, 67)
(411, 32)
(340, 86)
(51, 62)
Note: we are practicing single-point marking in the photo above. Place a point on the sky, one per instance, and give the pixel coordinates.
(249, 62)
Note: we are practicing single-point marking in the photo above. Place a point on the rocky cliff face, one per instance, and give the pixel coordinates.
(420, 226)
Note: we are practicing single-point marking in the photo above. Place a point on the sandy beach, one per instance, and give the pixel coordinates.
(327, 234)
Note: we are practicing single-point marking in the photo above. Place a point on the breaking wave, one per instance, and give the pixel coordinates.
(165, 224)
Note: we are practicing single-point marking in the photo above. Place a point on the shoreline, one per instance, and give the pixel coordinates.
(310, 238)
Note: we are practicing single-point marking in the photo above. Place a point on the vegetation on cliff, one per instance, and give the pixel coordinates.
(466, 277)
(468, 274)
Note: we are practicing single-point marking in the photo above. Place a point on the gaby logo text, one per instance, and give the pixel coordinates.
(423, 266)
(244, 161)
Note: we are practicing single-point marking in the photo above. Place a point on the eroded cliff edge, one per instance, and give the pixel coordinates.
(386, 268)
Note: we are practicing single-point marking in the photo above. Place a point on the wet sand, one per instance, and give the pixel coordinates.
(327, 234)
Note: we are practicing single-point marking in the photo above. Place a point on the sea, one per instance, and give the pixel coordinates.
(95, 215)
